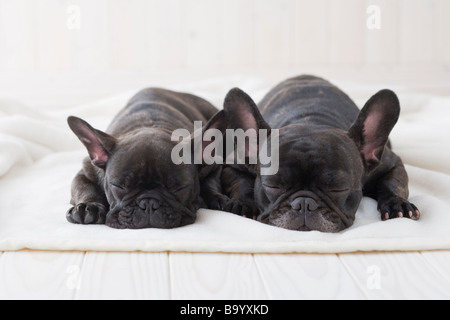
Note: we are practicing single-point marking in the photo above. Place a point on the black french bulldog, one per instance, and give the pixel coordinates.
(331, 155)
(129, 179)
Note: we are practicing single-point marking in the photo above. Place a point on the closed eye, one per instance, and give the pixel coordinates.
(180, 188)
(116, 186)
(273, 189)
(344, 190)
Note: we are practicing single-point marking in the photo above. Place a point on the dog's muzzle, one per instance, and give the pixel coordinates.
(151, 210)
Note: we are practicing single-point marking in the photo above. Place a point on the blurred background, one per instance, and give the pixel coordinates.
(64, 48)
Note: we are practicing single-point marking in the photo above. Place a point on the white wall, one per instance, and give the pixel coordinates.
(135, 34)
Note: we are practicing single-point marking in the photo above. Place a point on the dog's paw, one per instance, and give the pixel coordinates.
(243, 208)
(87, 213)
(398, 208)
(218, 202)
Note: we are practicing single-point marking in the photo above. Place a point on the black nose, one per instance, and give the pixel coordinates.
(149, 204)
(304, 205)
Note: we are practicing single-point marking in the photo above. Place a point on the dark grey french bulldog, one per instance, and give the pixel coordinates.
(129, 179)
(330, 154)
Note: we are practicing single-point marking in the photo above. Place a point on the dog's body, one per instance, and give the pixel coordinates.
(129, 180)
(331, 154)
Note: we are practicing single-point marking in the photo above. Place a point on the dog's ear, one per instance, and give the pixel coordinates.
(373, 126)
(217, 122)
(242, 112)
(211, 137)
(98, 144)
(217, 126)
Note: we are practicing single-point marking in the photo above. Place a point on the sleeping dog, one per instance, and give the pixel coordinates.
(129, 179)
(331, 155)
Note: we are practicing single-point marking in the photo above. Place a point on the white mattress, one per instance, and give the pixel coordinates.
(39, 156)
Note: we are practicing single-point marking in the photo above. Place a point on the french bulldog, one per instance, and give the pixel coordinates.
(129, 180)
(330, 156)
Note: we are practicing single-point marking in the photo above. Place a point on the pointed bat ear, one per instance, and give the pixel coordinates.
(98, 144)
(373, 126)
(217, 122)
(217, 125)
(242, 112)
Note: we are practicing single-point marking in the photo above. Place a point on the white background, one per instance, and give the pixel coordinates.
(46, 62)
(135, 34)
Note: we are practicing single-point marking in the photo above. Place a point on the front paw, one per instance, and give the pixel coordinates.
(87, 213)
(398, 208)
(218, 202)
(241, 207)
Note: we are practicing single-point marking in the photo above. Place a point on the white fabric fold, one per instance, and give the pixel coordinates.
(39, 156)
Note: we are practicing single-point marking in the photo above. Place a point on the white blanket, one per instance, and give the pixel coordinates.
(39, 156)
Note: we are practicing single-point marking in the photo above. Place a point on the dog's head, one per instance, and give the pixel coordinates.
(142, 184)
(319, 184)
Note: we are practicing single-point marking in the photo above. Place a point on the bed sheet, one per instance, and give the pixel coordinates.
(39, 156)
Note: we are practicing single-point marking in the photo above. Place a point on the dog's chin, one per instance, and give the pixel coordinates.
(150, 213)
(323, 221)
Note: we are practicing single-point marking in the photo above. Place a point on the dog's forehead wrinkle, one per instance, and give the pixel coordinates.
(148, 144)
